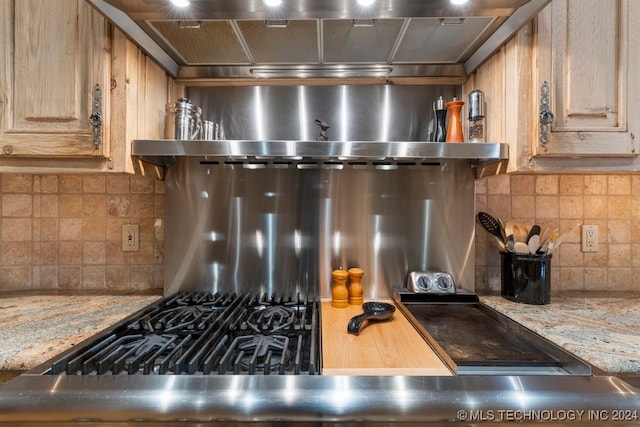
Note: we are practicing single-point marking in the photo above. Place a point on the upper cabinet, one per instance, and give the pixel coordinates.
(585, 73)
(72, 89)
(563, 92)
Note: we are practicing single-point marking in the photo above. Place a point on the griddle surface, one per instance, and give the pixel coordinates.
(471, 337)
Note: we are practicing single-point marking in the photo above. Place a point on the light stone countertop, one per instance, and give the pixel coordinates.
(602, 329)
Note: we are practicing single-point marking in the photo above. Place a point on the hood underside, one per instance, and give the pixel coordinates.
(328, 38)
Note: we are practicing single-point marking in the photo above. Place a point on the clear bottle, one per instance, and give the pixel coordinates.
(476, 126)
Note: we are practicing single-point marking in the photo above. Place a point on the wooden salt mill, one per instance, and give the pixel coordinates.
(454, 130)
(339, 291)
(355, 286)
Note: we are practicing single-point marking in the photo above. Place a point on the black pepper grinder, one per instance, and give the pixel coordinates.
(441, 117)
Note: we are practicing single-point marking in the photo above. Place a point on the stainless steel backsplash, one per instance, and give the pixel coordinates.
(283, 226)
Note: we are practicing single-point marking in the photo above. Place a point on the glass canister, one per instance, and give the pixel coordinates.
(476, 117)
(182, 120)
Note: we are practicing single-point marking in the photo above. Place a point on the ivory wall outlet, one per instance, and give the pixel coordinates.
(589, 238)
(130, 237)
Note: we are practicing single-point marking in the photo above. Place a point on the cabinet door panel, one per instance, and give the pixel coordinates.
(56, 52)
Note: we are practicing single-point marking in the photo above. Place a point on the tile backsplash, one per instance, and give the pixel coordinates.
(610, 201)
(65, 231)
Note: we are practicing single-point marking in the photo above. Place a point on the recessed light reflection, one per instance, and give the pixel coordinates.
(458, 1)
(181, 3)
(273, 3)
(366, 2)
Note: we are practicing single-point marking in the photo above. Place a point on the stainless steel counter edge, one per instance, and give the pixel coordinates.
(320, 399)
(325, 150)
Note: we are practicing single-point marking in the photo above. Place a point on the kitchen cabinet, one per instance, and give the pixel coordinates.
(60, 59)
(575, 61)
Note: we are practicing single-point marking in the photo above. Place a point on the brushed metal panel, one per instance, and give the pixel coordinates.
(278, 228)
(440, 39)
(203, 42)
(295, 42)
(349, 42)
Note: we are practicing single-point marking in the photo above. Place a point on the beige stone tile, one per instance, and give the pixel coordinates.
(160, 208)
(119, 206)
(141, 277)
(158, 187)
(94, 184)
(70, 253)
(547, 207)
(70, 276)
(70, 205)
(94, 277)
(70, 228)
(118, 184)
(93, 253)
(117, 277)
(571, 184)
(146, 227)
(635, 255)
(597, 259)
(620, 279)
(16, 229)
(70, 183)
(16, 253)
(142, 184)
(114, 228)
(158, 230)
(635, 279)
(158, 252)
(142, 205)
(596, 278)
(45, 253)
(17, 205)
(547, 184)
(481, 186)
(619, 255)
(499, 184)
(15, 278)
(47, 205)
(94, 205)
(158, 276)
(523, 184)
(45, 277)
(17, 183)
(571, 207)
(570, 254)
(94, 229)
(48, 184)
(49, 229)
(144, 255)
(619, 184)
(596, 207)
(619, 231)
(523, 206)
(635, 185)
(571, 278)
(635, 230)
(494, 276)
(595, 184)
(619, 207)
(115, 255)
(499, 206)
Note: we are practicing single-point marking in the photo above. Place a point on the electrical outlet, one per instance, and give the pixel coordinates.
(130, 237)
(589, 238)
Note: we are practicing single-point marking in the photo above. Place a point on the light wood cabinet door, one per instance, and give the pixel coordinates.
(586, 64)
(53, 53)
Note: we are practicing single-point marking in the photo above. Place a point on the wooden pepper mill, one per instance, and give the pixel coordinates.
(355, 286)
(339, 291)
(454, 130)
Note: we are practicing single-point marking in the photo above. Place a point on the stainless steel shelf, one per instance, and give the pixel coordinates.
(161, 152)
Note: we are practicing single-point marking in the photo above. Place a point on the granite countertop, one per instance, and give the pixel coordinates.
(602, 329)
(35, 328)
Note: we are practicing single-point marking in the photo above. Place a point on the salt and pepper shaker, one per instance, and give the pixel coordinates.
(441, 123)
(454, 130)
(476, 117)
(355, 286)
(339, 291)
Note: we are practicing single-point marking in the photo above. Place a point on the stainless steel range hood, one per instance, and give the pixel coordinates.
(328, 38)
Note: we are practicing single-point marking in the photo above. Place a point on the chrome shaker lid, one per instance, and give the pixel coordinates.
(475, 104)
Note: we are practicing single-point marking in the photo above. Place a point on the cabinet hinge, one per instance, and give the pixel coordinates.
(95, 119)
(546, 116)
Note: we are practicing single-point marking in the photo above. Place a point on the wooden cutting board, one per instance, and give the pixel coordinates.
(390, 347)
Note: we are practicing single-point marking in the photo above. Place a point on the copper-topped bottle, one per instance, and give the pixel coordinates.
(454, 130)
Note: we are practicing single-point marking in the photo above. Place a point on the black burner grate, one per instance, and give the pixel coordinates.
(206, 334)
